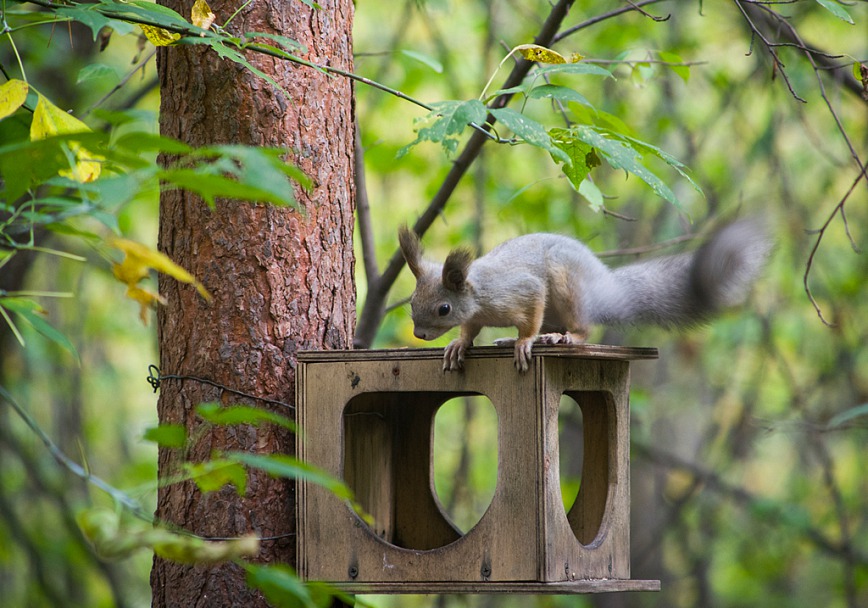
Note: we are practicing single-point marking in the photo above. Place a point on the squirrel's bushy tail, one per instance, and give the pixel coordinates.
(687, 289)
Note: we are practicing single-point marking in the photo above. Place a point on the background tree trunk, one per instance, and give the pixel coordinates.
(282, 281)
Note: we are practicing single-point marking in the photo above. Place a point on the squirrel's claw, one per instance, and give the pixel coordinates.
(523, 348)
(453, 355)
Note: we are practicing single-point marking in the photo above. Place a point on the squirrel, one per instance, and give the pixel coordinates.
(552, 288)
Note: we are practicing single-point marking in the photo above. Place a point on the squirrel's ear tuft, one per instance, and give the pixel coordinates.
(411, 249)
(455, 269)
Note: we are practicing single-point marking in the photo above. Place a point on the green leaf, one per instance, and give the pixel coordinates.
(621, 155)
(225, 52)
(287, 43)
(592, 194)
(156, 14)
(560, 93)
(142, 141)
(582, 157)
(622, 152)
(575, 68)
(33, 313)
(841, 418)
(522, 88)
(446, 122)
(836, 9)
(425, 59)
(87, 14)
(530, 131)
(682, 71)
(212, 475)
(167, 435)
(664, 156)
(263, 167)
(280, 585)
(253, 175)
(215, 413)
(282, 465)
(95, 71)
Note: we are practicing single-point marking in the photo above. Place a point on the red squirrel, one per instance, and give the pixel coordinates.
(552, 288)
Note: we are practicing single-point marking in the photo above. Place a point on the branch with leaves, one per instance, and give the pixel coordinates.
(763, 21)
(577, 145)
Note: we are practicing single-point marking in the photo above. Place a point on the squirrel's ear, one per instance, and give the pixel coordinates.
(455, 269)
(411, 249)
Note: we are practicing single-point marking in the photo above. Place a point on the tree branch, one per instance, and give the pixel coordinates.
(363, 210)
(717, 483)
(374, 306)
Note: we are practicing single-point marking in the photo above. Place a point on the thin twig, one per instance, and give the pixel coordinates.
(373, 309)
(72, 466)
(779, 66)
(363, 210)
(715, 482)
(120, 84)
(648, 248)
(839, 208)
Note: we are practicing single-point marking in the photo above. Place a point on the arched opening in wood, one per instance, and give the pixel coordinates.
(587, 442)
(388, 462)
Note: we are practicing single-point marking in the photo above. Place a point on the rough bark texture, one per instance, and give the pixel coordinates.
(282, 281)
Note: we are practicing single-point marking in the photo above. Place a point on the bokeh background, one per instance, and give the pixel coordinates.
(750, 434)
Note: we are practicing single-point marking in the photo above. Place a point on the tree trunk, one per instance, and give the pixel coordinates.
(282, 281)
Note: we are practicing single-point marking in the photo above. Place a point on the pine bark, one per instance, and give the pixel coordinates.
(282, 280)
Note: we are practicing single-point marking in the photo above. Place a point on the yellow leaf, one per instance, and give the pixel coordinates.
(112, 538)
(576, 57)
(138, 260)
(12, 96)
(87, 166)
(146, 299)
(49, 120)
(158, 36)
(202, 15)
(535, 52)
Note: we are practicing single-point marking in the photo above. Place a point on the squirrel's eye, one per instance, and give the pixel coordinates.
(444, 310)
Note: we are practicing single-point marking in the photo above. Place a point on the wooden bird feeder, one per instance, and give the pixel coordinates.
(367, 417)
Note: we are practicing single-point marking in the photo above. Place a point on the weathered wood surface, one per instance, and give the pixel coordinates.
(368, 416)
(569, 351)
(521, 587)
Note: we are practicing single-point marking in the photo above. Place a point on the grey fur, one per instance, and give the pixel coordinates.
(689, 288)
(552, 283)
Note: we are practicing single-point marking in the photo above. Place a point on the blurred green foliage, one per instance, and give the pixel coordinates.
(749, 435)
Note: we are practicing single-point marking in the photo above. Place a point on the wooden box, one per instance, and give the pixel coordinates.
(367, 417)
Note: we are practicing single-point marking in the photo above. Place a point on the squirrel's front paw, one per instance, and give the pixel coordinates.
(453, 356)
(523, 348)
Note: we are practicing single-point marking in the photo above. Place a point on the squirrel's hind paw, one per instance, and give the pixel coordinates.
(570, 337)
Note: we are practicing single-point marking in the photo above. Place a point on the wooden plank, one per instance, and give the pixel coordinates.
(592, 542)
(502, 546)
(517, 587)
(573, 351)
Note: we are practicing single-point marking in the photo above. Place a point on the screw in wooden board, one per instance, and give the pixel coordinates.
(353, 571)
(485, 571)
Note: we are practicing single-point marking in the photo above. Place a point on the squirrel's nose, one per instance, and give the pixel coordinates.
(419, 334)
